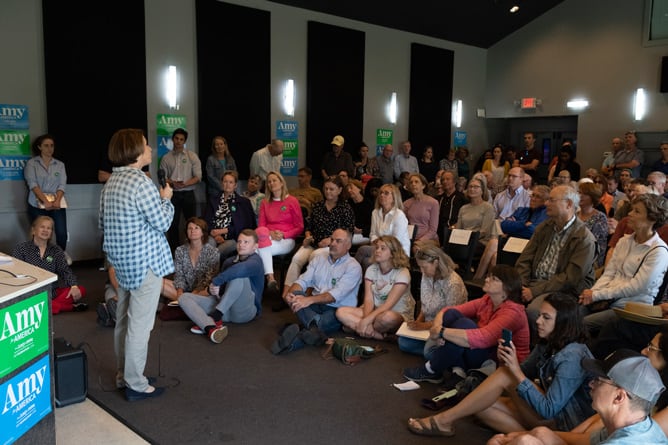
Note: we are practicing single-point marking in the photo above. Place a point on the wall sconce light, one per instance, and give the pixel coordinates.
(577, 104)
(639, 104)
(392, 109)
(514, 9)
(457, 115)
(171, 87)
(289, 98)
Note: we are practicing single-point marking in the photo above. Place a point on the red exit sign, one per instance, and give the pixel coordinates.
(528, 103)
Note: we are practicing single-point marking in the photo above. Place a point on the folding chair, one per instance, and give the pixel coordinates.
(461, 246)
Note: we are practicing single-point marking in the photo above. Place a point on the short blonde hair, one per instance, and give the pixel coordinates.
(399, 257)
(284, 188)
(396, 195)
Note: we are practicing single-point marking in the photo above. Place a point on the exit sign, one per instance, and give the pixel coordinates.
(528, 103)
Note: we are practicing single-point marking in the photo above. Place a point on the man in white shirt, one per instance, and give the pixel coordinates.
(267, 159)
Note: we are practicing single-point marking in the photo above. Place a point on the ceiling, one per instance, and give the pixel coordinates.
(480, 23)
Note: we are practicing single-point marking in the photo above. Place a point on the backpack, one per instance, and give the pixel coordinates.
(349, 351)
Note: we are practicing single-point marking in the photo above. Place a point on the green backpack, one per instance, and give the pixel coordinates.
(349, 351)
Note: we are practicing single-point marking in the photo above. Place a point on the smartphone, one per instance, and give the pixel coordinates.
(507, 336)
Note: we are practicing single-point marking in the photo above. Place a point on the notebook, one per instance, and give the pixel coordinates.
(405, 331)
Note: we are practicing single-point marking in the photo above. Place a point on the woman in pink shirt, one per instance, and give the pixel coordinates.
(280, 222)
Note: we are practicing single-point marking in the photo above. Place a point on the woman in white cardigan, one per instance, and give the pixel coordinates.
(638, 264)
(388, 218)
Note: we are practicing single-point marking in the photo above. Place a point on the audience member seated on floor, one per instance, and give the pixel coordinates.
(657, 353)
(478, 214)
(106, 311)
(234, 296)
(464, 336)
(387, 293)
(624, 391)
(327, 215)
(253, 187)
(362, 204)
(450, 203)
(388, 218)
(440, 287)
(422, 211)
(281, 221)
(559, 256)
(66, 294)
(227, 214)
(334, 278)
(195, 263)
(306, 194)
(595, 220)
(637, 267)
(521, 224)
(548, 388)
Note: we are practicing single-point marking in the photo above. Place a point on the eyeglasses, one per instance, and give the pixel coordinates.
(651, 347)
(474, 186)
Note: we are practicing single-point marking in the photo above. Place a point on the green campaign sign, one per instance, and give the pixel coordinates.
(383, 137)
(25, 332)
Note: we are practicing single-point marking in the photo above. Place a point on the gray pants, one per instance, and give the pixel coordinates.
(135, 317)
(237, 304)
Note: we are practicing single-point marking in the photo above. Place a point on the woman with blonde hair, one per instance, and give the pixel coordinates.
(219, 161)
(387, 295)
(280, 222)
(388, 218)
(440, 287)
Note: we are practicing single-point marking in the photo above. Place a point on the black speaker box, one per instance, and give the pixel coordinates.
(71, 373)
(664, 74)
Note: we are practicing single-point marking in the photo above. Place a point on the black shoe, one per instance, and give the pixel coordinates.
(313, 336)
(420, 374)
(284, 341)
(132, 396)
(79, 306)
(272, 286)
(103, 316)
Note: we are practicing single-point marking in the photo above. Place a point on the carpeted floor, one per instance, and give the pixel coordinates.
(238, 392)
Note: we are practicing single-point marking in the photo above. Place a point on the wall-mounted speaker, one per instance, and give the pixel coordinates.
(664, 74)
(71, 373)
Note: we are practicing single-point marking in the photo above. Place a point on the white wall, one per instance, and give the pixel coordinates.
(590, 48)
(170, 39)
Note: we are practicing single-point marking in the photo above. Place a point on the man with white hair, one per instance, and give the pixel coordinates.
(657, 183)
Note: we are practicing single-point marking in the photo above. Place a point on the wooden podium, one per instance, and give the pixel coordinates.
(27, 386)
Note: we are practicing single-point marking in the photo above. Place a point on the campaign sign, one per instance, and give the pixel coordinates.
(13, 117)
(460, 139)
(166, 124)
(25, 332)
(289, 166)
(286, 130)
(384, 136)
(26, 399)
(290, 148)
(11, 167)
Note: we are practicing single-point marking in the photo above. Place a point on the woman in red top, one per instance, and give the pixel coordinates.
(280, 222)
(461, 344)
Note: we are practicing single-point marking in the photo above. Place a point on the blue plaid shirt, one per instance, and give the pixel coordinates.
(134, 220)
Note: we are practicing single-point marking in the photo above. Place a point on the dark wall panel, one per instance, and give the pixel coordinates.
(233, 73)
(335, 90)
(95, 78)
(430, 106)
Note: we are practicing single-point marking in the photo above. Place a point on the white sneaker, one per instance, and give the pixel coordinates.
(68, 258)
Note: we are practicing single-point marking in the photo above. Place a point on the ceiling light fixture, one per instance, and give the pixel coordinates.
(514, 9)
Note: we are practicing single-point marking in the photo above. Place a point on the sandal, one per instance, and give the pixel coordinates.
(429, 430)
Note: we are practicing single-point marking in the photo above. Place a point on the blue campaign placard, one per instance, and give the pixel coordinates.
(11, 167)
(460, 139)
(26, 399)
(286, 129)
(13, 117)
(289, 166)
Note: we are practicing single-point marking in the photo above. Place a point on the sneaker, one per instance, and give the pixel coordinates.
(196, 330)
(420, 374)
(173, 303)
(218, 334)
(132, 396)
